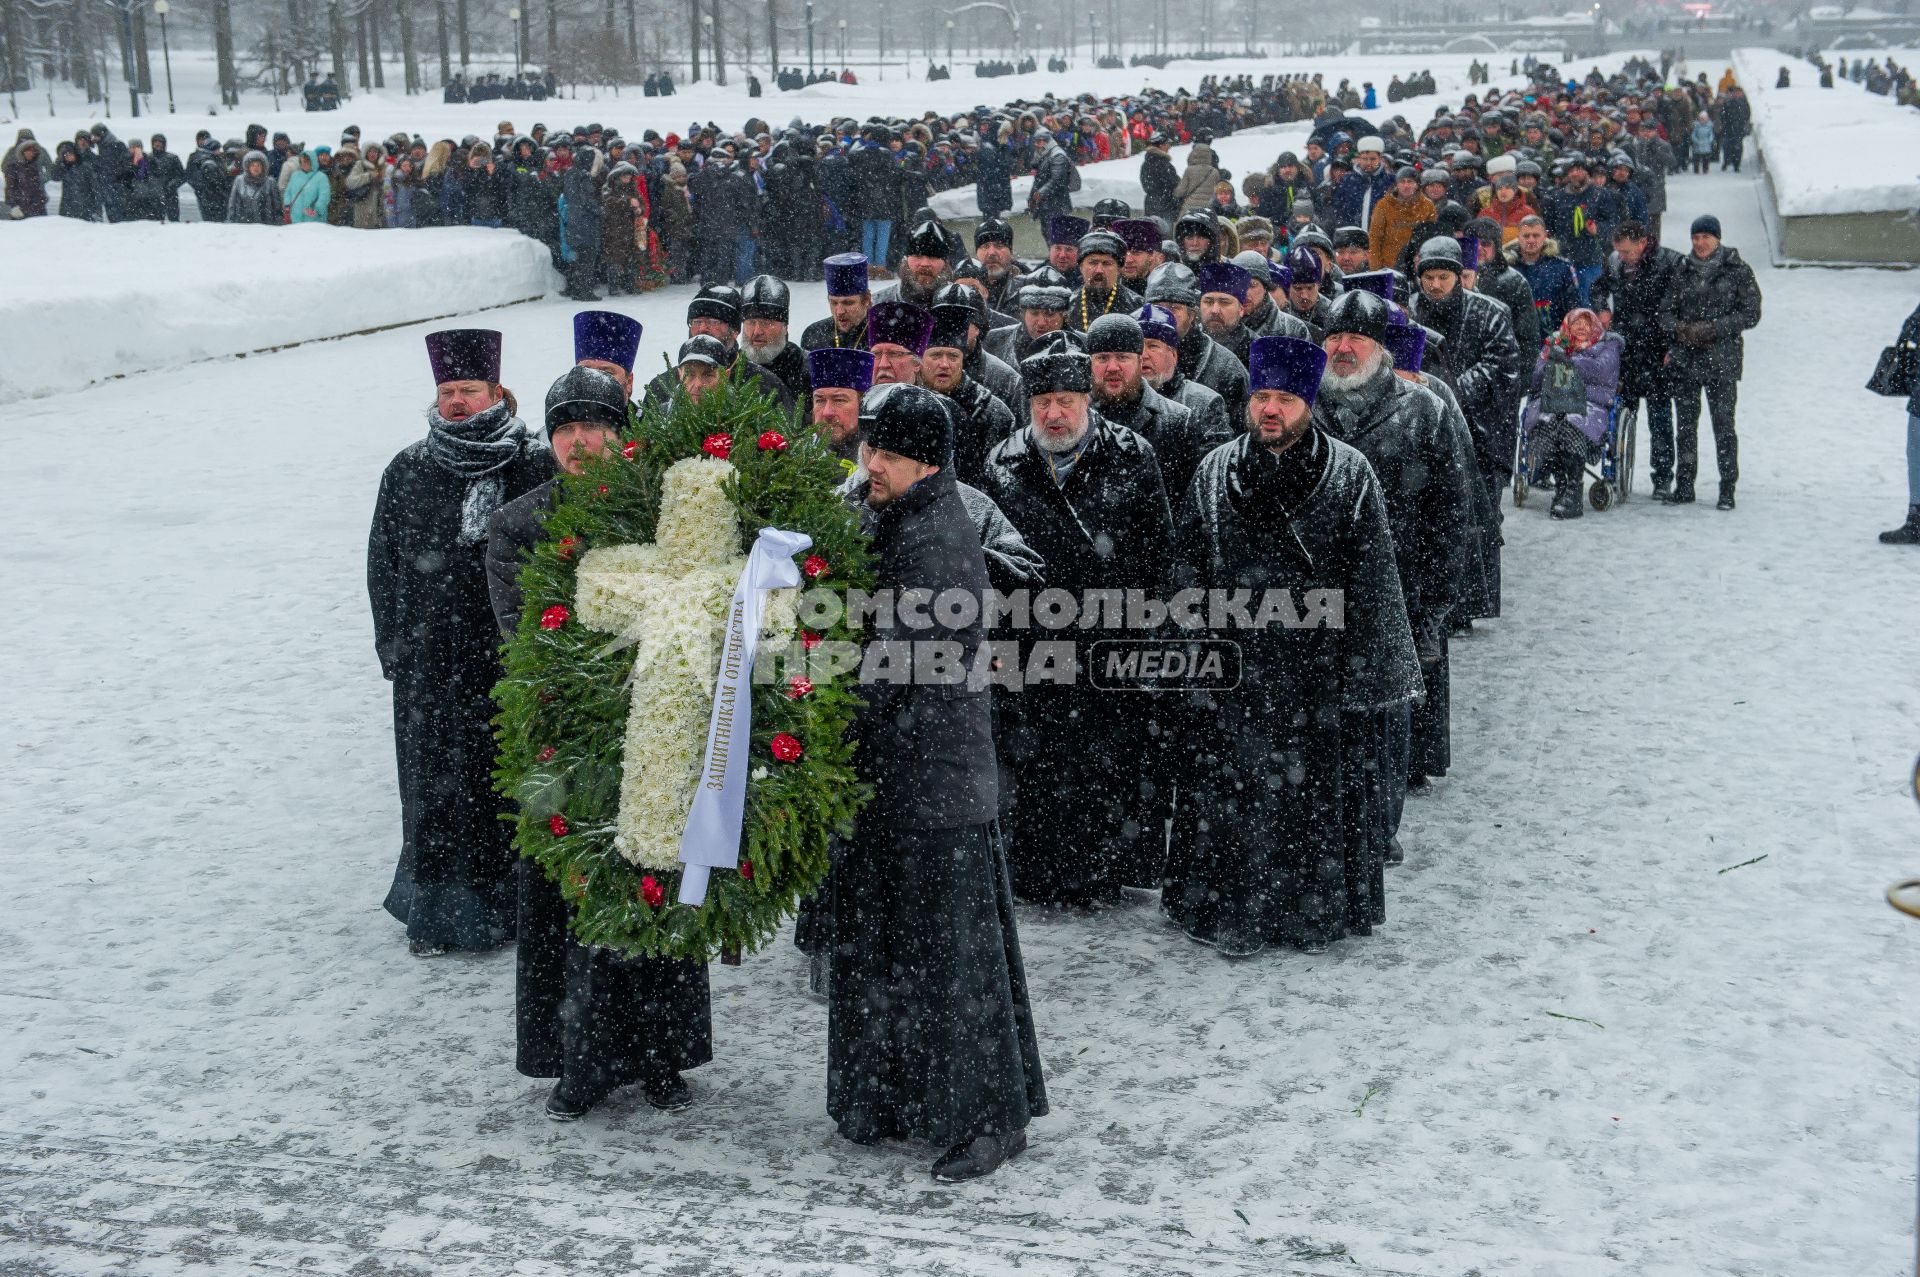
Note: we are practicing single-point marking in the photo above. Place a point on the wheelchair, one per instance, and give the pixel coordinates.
(1609, 462)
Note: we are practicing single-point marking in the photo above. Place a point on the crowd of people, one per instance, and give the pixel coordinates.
(1286, 431)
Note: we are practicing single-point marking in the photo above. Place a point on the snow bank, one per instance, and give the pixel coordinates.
(88, 301)
(1244, 152)
(1838, 150)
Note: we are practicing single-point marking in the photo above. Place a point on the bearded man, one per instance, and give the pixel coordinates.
(764, 343)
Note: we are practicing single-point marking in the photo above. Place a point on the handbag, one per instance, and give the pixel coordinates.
(1895, 371)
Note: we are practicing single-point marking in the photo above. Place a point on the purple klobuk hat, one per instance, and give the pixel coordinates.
(1067, 230)
(845, 368)
(1378, 282)
(846, 274)
(1225, 277)
(1303, 265)
(1407, 344)
(1286, 363)
(1469, 251)
(899, 324)
(1156, 324)
(605, 335)
(464, 354)
(1280, 279)
(1138, 234)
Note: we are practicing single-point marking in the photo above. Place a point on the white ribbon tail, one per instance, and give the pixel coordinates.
(712, 837)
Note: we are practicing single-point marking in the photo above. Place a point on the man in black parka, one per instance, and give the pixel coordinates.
(434, 632)
(930, 1032)
(584, 1015)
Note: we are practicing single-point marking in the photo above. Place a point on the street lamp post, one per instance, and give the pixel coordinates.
(160, 7)
(949, 43)
(843, 44)
(513, 16)
(126, 62)
(809, 40)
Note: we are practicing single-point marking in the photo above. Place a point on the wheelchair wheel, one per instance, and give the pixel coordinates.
(1624, 440)
(1600, 495)
(1520, 489)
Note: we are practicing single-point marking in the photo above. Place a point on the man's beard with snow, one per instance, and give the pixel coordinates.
(762, 355)
(1060, 444)
(1341, 386)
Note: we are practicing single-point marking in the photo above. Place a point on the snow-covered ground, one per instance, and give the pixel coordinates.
(84, 302)
(221, 1059)
(1838, 150)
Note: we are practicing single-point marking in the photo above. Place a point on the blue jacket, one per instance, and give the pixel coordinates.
(1583, 222)
(1352, 193)
(308, 194)
(1555, 290)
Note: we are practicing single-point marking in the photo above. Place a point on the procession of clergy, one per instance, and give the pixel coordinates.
(1195, 442)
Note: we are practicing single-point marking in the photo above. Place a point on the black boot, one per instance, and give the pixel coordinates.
(1726, 497)
(1662, 490)
(1907, 533)
(1569, 484)
(981, 1155)
(1682, 492)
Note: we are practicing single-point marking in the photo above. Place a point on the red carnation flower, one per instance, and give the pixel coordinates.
(559, 826)
(566, 547)
(786, 748)
(628, 448)
(547, 753)
(652, 892)
(809, 640)
(746, 870)
(717, 446)
(554, 617)
(773, 441)
(603, 489)
(815, 567)
(798, 687)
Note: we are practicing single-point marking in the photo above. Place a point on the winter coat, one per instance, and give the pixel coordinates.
(1358, 195)
(309, 195)
(1736, 118)
(1710, 304)
(993, 179)
(256, 203)
(1632, 201)
(365, 186)
(402, 195)
(1652, 160)
(1208, 362)
(1195, 189)
(1599, 367)
(873, 185)
(339, 208)
(1551, 280)
(1052, 194)
(144, 199)
(207, 175)
(1700, 139)
(1633, 298)
(925, 747)
(79, 191)
(1392, 227)
(1179, 438)
(1298, 861)
(622, 232)
(1500, 281)
(582, 187)
(1208, 409)
(980, 422)
(1582, 223)
(25, 180)
(1159, 181)
(1482, 362)
(1508, 214)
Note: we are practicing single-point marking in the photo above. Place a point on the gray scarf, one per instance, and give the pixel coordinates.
(477, 450)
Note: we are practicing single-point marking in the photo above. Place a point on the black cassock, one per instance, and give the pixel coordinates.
(1274, 840)
(586, 1013)
(434, 631)
(930, 1032)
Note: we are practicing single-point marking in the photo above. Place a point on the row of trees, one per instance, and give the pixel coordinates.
(106, 46)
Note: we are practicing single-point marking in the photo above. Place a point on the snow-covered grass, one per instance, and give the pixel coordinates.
(221, 1060)
(1838, 150)
(86, 301)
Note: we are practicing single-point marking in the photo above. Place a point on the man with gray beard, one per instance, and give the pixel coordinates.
(1425, 468)
(764, 341)
(923, 269)
(1087, 496)
(1160, 368)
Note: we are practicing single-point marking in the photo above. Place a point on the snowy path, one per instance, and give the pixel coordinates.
(221, 1059)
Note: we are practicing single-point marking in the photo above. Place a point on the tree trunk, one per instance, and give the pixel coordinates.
(773, 40)
(223, 52)
(373, 44)
(553, 32)
(693, 58)
(409, 51)
(466, 44)
(440, 32)
(719, 47)
(633, 34)
(360, 48)
(142, 52)
(337, 42)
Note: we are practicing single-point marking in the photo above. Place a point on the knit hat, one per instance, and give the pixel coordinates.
(1173, 282)
(1114, 334)
(1705, 224)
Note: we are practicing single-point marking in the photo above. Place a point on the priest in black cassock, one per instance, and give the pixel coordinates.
(433, 631)
(1275, 840)
(930, 1032)
(584, 1014)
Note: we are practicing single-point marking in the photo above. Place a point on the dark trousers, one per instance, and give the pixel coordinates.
(1731, 151)
(1394, 748)
(1659, 419)
(1721, 398)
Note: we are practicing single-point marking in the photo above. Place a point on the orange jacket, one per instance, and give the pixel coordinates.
(1393, 223)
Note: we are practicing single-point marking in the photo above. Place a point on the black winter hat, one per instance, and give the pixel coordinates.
(1439, 251)
(1058, 365)
(765, 297)
(1114, 334)
(716, 301)
(993, 230)
(1359, 311)
(909, 420)
(928, 239)
(1705, 224)
(586, 394)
